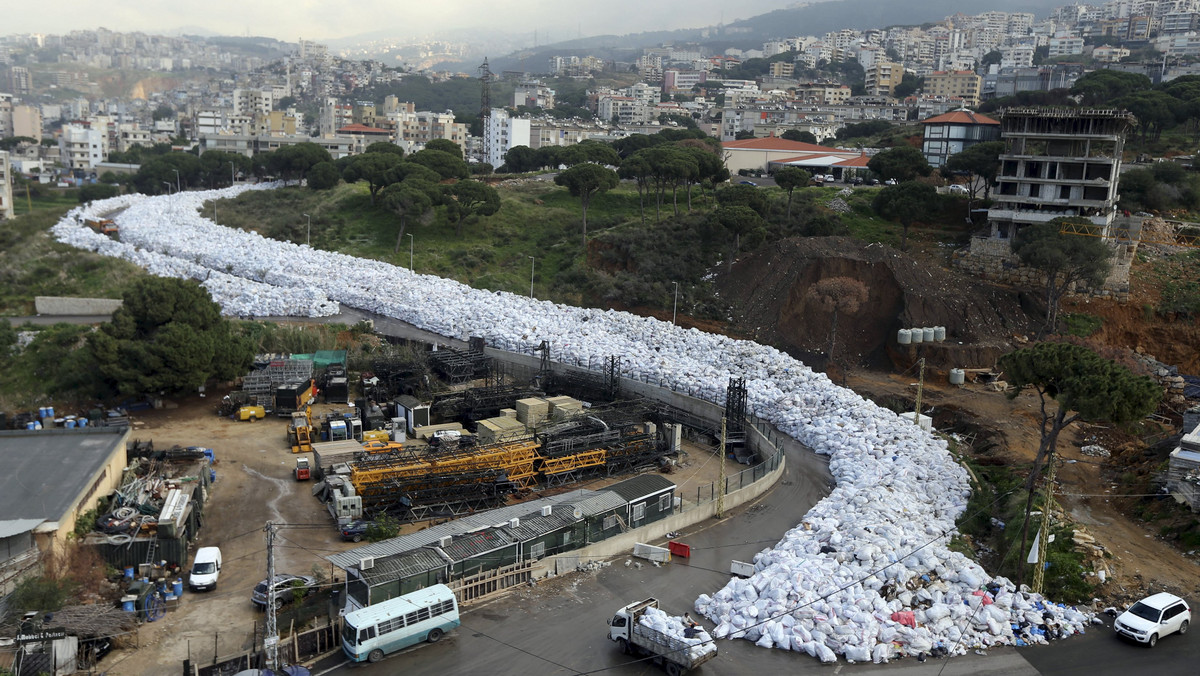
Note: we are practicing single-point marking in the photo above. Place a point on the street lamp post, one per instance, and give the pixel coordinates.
(532, 265)
(232, 176)
(675, 306)
(308, 229)
(176, 179)
(410, 250)
(168, 184)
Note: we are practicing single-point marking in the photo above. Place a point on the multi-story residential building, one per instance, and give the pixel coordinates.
(954, 132)
(81, 147)
(533, 95)
(558, 133)
(6, 106)
(416, 128)
(831, 94)
(883, 77)
(20, 80)
(783, 69)
(6, 187)
(1017, 56)
(1065, 46)
(963, 84)
(682, 80)
(503, 134)
(622, 110)
(1110, 54)
(251, 144)
(27, 121)
(1058, 162)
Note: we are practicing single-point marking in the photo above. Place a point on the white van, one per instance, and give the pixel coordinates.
(205, 569)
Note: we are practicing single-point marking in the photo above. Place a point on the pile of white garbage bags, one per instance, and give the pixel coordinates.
(698, 645)
(873, 551)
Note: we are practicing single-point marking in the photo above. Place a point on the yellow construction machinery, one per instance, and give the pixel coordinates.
(300, 431)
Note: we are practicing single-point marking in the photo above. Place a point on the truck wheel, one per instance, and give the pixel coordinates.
(374, 656)
(623, 645)
(674, 669)
(434, 635)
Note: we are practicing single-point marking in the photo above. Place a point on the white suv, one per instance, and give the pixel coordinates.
(1154, 617)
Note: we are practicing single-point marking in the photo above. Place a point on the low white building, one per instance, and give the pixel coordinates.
(6, 188)
(81, 147)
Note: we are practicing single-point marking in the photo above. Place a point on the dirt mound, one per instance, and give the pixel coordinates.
(767, 291)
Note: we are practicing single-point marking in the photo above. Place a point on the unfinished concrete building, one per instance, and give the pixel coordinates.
(1056, 163)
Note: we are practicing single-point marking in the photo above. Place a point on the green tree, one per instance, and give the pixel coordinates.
(981, 163)
(1154, 110)
(993, 57)
(1065, 260)
(521, 159)
(903, 203)
(98, 191)
(908, 86)
(446, 146)
(444, 163)
(637, 168)
(218, 168)
(8, 339)
(167, 336)
(737, 220)
(163, 112)
(407, 199)
(744, 195)
(864, 130)
(799, 136)
(595, 152)
(1085, 386)
(323, 176)
(790, 178)
(1101, 87)
(468, 200)
(291, 163)
(377, 169)
(386, 147)
(585, 181)
(903, 163)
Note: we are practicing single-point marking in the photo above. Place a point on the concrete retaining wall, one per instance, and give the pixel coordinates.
(64, 305)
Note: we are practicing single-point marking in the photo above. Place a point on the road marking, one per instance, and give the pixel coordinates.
(334, 667)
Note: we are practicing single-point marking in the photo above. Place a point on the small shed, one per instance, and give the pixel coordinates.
(603, 514)
(543, 535)
(481, 550)
(650, 497)
(395, 575)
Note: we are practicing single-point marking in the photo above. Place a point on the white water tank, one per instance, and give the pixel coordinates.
(939, 333)
(928, 334)
(917, 335)
(904, 336)
(957, 376)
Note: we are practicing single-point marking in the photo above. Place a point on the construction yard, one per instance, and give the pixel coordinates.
(255, 485)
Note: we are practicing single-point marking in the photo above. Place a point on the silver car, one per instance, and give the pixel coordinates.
(285, 586)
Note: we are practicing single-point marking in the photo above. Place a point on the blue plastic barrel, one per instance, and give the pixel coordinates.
(129, 572)
(31, 426)
(128, 606)
(177, 587)
(70, 424)
(41, 411)
(49, 412)
(82, 422)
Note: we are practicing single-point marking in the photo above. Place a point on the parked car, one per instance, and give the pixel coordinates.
(1154, 617)
(355, 531)
(857, 180)
(958, 189)
(872, 181)
(890, 181)
(816, 181)
(284, 584)
(747, 183)
(206, 568)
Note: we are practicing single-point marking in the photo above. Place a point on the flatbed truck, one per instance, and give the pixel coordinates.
(675, 655)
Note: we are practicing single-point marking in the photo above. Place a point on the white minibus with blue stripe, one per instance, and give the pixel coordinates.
(424, 615)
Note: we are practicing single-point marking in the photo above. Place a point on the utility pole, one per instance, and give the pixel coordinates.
(675, 305)
(410, 250)
(308, 230)
(271, 635)
(532, 263)
(920, 387)
(721, 485)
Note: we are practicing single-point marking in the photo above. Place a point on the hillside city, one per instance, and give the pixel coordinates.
(390, 353)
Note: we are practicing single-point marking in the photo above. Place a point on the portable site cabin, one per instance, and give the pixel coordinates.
(650, 497)
(377, 580)
(604, 515)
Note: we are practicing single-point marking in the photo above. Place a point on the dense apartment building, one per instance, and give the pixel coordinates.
(963, 84)
(82, 147)
(883, 77)
(416, 128)
(533, 95)
(953, 132)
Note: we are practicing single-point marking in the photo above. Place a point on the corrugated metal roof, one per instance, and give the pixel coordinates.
(403, 565)
(601, 502)
(473, 544)
(467, 524)
(537, 525)
(13, 527)
(641, 486)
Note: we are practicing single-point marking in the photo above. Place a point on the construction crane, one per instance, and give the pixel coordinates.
(1181, 234)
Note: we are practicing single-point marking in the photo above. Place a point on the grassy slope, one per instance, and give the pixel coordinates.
(33, 264)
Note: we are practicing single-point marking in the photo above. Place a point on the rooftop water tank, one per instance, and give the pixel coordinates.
(904, 336)
(928, 334)
(918, 335)
(939, 333)
(957, 376)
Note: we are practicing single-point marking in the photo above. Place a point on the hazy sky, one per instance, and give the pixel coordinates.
(325, 19)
